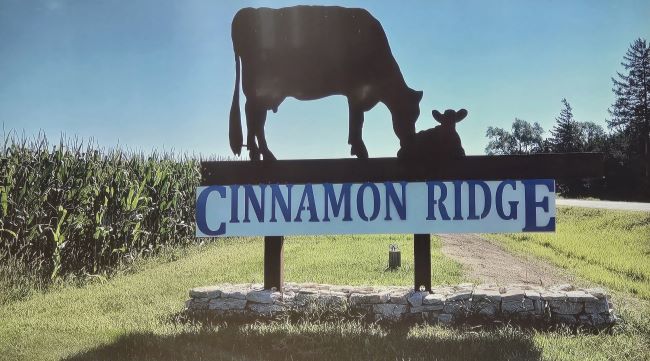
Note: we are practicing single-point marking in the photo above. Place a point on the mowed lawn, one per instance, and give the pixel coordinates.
(64, 322)
(136, 316)
(607, 247)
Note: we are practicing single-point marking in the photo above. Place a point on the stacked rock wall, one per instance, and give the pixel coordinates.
(445, 304)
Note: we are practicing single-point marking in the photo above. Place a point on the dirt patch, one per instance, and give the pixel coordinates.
(488, 262)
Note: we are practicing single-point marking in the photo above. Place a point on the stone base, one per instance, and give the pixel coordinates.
(561, 304)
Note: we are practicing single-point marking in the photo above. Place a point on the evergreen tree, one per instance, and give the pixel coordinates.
(566, 134)
(630, 113)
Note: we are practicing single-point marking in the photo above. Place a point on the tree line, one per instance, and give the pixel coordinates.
(625, 144)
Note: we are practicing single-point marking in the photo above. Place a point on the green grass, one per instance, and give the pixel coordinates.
(607, 247)
(136, 316)
(61, 322)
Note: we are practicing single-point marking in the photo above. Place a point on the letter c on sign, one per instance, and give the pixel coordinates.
(201, 203)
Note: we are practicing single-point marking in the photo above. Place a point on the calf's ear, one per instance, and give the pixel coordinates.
(438, 116)
(460, 115)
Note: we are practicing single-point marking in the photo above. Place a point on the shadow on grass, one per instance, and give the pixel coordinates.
(318, 340)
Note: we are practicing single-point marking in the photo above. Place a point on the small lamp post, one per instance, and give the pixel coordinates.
(394, 257)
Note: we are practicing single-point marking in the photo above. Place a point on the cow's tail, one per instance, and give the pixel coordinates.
(235, 131)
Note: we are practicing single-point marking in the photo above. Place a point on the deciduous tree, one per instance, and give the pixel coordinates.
(525, 138)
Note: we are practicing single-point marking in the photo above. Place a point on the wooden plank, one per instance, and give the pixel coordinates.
(273, 262)
(552, 166)
(422, 261)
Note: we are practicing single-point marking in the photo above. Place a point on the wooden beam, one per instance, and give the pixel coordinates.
(274, 262)
(552, 166)
(422, 261)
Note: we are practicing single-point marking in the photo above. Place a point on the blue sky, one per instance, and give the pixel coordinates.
(159, 74)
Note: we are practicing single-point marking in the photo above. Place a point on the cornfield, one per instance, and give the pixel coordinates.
(78, 209)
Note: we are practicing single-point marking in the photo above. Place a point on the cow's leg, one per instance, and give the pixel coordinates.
(261, 138)
(252, 114)
(355, 138)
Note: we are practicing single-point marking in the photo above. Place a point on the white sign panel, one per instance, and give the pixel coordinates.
(464, 206)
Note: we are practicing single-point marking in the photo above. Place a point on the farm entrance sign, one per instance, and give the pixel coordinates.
(382, 195)
(458, 206)
(430, 187)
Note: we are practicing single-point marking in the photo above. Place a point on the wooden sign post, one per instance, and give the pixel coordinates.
(343, 196)
(273, 262)
(422, 261)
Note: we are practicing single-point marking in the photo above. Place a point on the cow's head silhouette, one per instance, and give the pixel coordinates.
(405, 113)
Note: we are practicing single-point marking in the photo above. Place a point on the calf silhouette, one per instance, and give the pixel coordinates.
(441, 142)
(310, 52)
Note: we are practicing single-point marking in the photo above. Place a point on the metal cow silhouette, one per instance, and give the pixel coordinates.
(310, 52)
(439, 143)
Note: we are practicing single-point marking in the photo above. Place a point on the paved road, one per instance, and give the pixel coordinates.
(626, 206)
